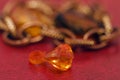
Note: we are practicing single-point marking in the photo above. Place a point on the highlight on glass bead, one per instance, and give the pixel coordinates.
(60, 58)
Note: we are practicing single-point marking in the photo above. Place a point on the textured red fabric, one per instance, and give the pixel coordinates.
(101, 64)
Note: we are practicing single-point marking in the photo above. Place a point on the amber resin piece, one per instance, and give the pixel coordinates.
(36, 57)
(61, 58)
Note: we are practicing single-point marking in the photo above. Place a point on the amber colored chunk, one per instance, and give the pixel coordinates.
(61, 58)
(33, 31)
(36, 57)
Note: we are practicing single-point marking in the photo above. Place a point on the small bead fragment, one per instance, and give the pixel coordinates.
(36, 57)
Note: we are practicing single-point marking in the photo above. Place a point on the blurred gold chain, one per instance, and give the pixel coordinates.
(30, 21)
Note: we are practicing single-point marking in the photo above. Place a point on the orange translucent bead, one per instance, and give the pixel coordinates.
(61, 58)
(36, 57)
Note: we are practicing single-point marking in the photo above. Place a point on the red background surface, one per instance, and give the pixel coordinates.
(102, 64)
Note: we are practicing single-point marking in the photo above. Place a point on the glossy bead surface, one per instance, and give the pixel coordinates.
(61, 58)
